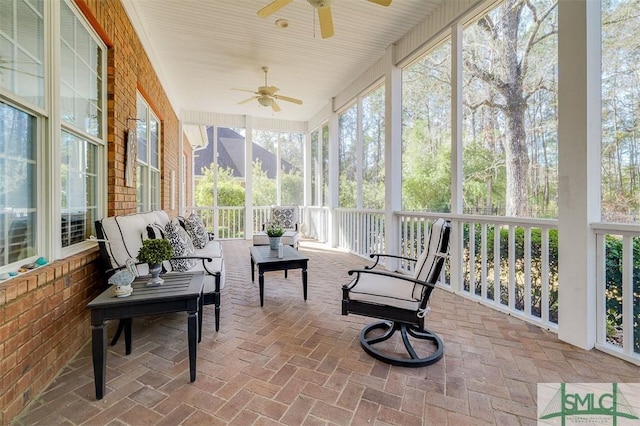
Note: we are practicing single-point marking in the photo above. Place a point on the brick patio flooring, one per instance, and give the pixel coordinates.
(297, 363)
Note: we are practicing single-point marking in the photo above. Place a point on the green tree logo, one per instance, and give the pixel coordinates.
(584, 405)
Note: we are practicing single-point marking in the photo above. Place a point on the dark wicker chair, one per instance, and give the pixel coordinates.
(399, 300)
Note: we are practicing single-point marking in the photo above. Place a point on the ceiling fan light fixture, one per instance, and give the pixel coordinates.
(265, 101)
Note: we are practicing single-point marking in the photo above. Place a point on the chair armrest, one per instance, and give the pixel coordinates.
(380, 255)
(403, 277)
(204, 260)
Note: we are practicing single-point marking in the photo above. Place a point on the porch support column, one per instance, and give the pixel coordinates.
(308, 196)
(579, 134)
(248, 181)
(333, 196)
(393, 153)
(455, 245)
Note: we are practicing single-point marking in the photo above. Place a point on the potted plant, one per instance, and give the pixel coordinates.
(274, 232)
(154, 252)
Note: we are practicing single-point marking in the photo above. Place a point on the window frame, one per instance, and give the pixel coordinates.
(99, 140)
(148, 197)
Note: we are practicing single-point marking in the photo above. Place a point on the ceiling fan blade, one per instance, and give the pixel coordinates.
(247, 100)
(245, 90)
(272, 8)
(381, 2)
(326, 22)
(275, 106)
(288, 99)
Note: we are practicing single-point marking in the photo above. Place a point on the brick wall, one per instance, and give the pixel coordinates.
(43, 315)
(43, 324)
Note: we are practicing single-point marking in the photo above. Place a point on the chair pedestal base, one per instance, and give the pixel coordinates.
(390, 328)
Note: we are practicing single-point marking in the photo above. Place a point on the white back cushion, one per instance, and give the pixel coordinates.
(124, 235)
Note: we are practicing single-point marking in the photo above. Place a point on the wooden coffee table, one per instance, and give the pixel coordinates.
(267, 260)
(181, 292)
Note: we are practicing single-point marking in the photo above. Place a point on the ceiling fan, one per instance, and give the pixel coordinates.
(324, 12)
(266, 95)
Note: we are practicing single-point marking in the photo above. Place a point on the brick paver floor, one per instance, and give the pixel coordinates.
(300, 363)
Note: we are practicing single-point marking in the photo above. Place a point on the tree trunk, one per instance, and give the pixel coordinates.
(517, 158)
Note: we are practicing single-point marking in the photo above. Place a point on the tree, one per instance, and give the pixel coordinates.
(504, 60)
(264, 189)
(230, 191)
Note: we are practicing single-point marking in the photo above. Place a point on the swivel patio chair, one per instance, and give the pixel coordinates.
(401, 301)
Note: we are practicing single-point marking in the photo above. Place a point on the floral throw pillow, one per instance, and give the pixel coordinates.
(283, 217)
(182, 246)
(195, 228)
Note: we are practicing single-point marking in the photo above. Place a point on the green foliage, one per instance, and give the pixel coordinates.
(274, 230)
(230, 194)
(519, 260)
(613, 286)
(291, 188)
(347, 192)
(154, 251)
(426, 176)
(230, 190)
(264, 189)
(484, 186)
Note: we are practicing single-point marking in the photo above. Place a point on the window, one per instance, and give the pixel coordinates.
(620, 111)
(361, 152)
(18, 214)
(22, 49)
(426, 132)
(373, 150)
(277, 168)
(324, 201)
(148, 168)
(81, 136)
(74, 155)
(510, 58)
(347, 157)
(291, 167)
(315, 162)
(22, 56)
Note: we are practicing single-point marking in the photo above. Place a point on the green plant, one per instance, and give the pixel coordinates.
(154, 251)
(273, 230)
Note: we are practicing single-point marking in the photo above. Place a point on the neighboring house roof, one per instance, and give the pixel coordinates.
(231, 154)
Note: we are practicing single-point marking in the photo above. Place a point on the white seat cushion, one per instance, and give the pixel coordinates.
(384, 290)
(289, 238)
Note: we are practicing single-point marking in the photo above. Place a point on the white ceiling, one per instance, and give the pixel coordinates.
(203, 48)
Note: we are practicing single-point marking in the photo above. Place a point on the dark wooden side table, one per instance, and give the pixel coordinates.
(180, 292)
(267, 260)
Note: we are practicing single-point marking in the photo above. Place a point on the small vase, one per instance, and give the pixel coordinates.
(274, 242)
(155, 280)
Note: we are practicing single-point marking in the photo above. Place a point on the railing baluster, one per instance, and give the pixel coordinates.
(483, 260)
(527, 270)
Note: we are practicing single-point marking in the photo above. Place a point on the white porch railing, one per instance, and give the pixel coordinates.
(361, 231)
(260, 216)
(229, 222)
(224, 222)
(316, 223)
(509, 264)
(618, 292)
(517, 272)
